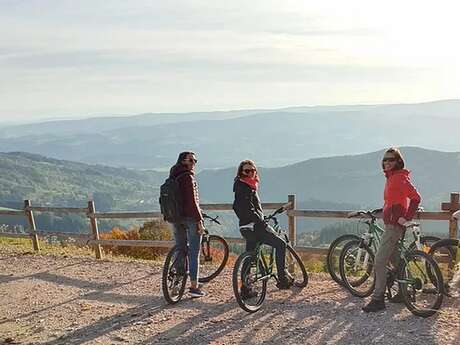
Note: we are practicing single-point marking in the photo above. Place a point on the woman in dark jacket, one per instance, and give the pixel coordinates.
(191, 228)
(251, 218)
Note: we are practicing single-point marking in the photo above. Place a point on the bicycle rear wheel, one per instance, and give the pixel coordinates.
(174, 275)
(333, 256)
(444, 252)
(357, 268)
(249, 282)
(296, 268)
(422, 291)
(213, 257)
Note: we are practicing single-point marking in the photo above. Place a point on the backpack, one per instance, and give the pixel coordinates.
(171, 199)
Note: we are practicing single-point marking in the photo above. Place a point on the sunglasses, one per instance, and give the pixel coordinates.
(247, 171)
(389, 159)
(191, 160)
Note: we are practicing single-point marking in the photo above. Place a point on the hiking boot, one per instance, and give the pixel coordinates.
(196, 292)
(374, 305)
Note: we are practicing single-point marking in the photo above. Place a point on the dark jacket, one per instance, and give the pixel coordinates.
(247, 204)
(189, 191)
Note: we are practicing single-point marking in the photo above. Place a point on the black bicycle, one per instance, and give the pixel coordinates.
(213, 258)
(253, 269)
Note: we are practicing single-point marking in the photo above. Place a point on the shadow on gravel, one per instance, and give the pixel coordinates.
(11, 278)
(101, 294)
(338, 321)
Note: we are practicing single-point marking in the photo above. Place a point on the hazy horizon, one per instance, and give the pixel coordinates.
(67, 60)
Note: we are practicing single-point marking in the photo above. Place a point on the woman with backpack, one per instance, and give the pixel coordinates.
(401, 201)
(190, 227)
(253, 227)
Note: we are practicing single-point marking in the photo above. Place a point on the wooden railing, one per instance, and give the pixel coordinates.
(93, 239)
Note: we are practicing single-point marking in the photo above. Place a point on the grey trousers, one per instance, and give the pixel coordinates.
(386, 253)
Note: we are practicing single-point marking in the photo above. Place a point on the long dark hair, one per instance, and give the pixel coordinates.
(181, 157)
(399, 158)
(239, 171)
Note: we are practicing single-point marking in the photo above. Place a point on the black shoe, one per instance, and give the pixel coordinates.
(374, 305)
(284, 283)
(247, 293)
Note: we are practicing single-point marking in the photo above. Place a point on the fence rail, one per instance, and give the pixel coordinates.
(92, 238)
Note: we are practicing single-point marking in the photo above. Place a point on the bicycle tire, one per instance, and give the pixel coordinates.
(330, 264)
(178, 280)
(408, 296)
(247, 259)
(445, 246)
(304, 282)
(369, 272)
(206, 253)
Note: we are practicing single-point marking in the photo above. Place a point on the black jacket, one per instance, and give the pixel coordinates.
(247, 204)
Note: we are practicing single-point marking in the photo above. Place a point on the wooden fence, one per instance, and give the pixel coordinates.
(92, 238)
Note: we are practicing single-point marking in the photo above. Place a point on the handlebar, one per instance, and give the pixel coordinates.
(370, 213)
(214, 220)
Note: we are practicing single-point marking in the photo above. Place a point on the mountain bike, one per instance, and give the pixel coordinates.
(213, 258)
(372, 236)
(417, 276)
(253, 270)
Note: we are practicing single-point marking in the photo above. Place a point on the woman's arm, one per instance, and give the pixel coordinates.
(414, 197)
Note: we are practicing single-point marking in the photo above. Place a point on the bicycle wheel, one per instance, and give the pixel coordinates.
(356, 266)
(444, 252)
(426, 242)
(333, 256)
(296, 268)
(174, 275)
(213, 257)
(422, 292)
(249, 282)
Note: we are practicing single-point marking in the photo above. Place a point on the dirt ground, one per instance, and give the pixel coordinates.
(49, 299)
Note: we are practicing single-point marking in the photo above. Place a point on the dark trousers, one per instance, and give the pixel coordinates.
(267, 235)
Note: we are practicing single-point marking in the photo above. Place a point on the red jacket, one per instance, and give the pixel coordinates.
(400, 196)
(189, 191)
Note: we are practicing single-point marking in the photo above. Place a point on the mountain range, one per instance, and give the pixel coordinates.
(273, 138)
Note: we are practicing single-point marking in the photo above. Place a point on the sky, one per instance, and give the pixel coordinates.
(71, 59)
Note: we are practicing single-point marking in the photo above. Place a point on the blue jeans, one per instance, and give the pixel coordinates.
(188, 230)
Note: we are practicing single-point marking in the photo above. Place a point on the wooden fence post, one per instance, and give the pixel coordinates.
(94, 228)
(292, 221)
(452, 206)
(32, 227)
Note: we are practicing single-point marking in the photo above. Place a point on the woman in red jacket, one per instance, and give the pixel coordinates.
(401, 201)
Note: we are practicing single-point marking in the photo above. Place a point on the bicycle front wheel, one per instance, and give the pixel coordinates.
(174, 275)
(249, 282)
(333, 256)
(356, 266)
(213, 257)
(421, 284)
(296, 268)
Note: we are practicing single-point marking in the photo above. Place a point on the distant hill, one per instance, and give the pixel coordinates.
(65, 183)
(221, 139)
(340, 183)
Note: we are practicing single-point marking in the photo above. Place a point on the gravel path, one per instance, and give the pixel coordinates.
(77, 300)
